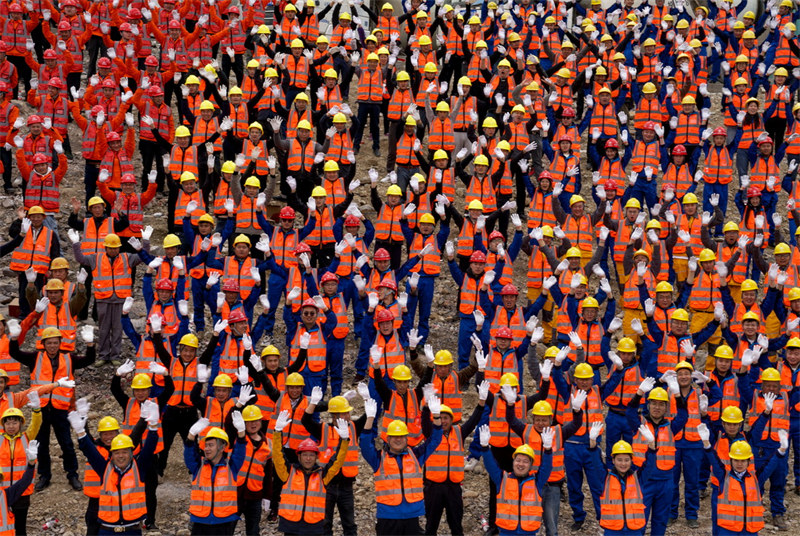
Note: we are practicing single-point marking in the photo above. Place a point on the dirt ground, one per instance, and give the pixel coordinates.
(59, 501)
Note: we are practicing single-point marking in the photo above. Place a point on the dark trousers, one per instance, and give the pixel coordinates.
(20, 510)
(95, 48)
(340, 495)
(24, 306)
(5, 158)
(92, 523)
(91, 172)
(219, 529)
(395, 250)
(24, 72)
(250, 509)
(150, 487)
(57, 419)
(398, 527)
(174, 421)
(321, 256)
(443, 497)
(237, 64)
(373, 110)
(395, 133)
(151, 152)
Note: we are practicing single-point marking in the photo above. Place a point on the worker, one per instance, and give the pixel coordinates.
(14, 443)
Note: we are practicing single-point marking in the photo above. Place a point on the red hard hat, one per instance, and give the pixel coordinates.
(3, 87)
(55, 82)
(351, 221)
(302, 247)
(40, 158)
(67, 3)
(565, 137)
(125, 27)
(667, 186)
(237, 315)
(286, 213)
(113, 136)
(308, 302)
(753, 191)
(50, 54)
(104, 63)
(384, 315)
(568, 112)
(230, 285)
(381, 255)
(509, 290)
(96, 109)
(328, 276)
(127, 178)
(134, 13)
(34, 119)
(151, 61)
(109, 84)
(308, 445)
(174, 25)
(679, 150)
(388, 283)
(64, 26)
(477, 256)
(234, 9)
(720, 131)
(545, 175)
(155, 91)
(4, 47)
(15, 8)
(612, 143)
(765, 140)
(496, 234)
(165, 284)
(610, 184)
(649, 125)
(504, 333)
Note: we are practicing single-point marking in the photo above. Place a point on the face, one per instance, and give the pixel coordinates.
(627, 357)
(477, 267)
(187, 353)
(330, 287)
(622, 462)
(503, 344)
(684, 377)
(213, 448)
(398, 443)
(723, 365)
(401, 386)
(107, 436)
(447, 421)
(122, 457)
(442, 371)
(307, 459)
(205, 228)
(750, 328)
(164, 295)
(657, 409)
(11, 425)
(783, 259)
(740, 466)
(294, 391)
(648, 135)
(793, 356)
(128, 188)
(771, 387)
(577, 209)
(749, 297)
(141, 394)
(222, 393)
(52, 345)
(241, 250)
(302, 133)
(522, 465)
(589, 313)
(309, 315)
(41, 169)
(55, 296)
(238, 328)
(426, 228)
(584, 384)
(731, 428)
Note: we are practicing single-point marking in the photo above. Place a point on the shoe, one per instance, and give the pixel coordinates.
(42, 483)
(704, 493)
(358, 378)
(272, 516)
(672, 521)
(693, 524)
(75, 483)
(576, 526)
(470, 464)
(377, 152)
(780, 523)
(149, 525)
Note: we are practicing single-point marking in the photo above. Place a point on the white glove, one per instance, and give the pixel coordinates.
(220, 326)
(702, 431)
(245, 394)
(203, 373)
(783, 437)
(199, 425)
(509, 394)
(547, 438)
(370, 407)
(484, 435)
(596, 430)
(305, 340)
(41, 304)
(769, 401)
(646, 434)
(238, 421)
(76, 421)
(87, 334)
(577, 399)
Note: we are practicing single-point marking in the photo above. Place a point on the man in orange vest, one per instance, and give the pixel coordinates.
(213, 507)
(107, 430)
(122, 475)
(399, 491)
(370, 97)
(304, 496)
(38, 246)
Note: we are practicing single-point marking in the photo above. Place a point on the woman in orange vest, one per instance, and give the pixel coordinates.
(519, 491)
(107, 430)
(215, 470)
(14, 442)
(121, 502)
(304, 495)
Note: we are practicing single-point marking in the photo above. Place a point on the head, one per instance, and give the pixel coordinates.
(121, 458)
(309, 315)
(521, 465)
(12, 425)
(622, 462)
(213, 448)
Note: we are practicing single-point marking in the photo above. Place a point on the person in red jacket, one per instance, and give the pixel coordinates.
(41, 181)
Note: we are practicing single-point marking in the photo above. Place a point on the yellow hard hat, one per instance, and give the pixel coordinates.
(542, 408)
(303, 123)
(388, 6)
(653, 224)
(707, 255)
(394, 190)
(372, 56)
(410, 121)
(252, 64)
(252, 413)
(424, 40)
(584, 371)
(688, 99)
(732, 414)
(474, 20)
(724, 351)
(296, 43)
(206, 105)
(794, 294)
(295, 379)
(749, 34)
(49, 333)
(241, 239)
(649, 42)
(794, 342)
(270, 73)
(107, 424)
(621, 447)
(633, 203)
(319, 191)
(427, 218)
(481, 44)
(525, 449)
(590, 302)
(782, 249)
(253, 181)
(475, 205)
(683, 23)
(443, 357)
(750, 315)
(601, 71)
(141, 381)
(481, 160)
(683, 365)
(770, 375)
(339, 404)
(504, 63)
(222, 380)
(649, 88)
(689, 198)
(112, 241)
(576, 199)
(95, 201)
(659, 394)
(641, 252)
(444, 408)
(564, 73)
(780, 71)
(465, 81)
(573, 252)
(518, 108)
(59, 263)
(442, 106)
(403, 76)
(626, 344)
(188, 176)
(190, 339)
(730, 226)
(490, 122)
(331, 165)
(552, 351)
(397, 428)
(171, 241)
(740, 450)
(503, 145)
(749, 284)
(256, 124)
(182, 132)
(548, 231)
(341, 118)
(13, 412)
(664, 286)
(401, 372)
(680, 314)
(54, 284)
(192, 79)
(509, 378)
(206, 218)
(217, 433)
(121, 441)
(430, 67)
(270, 350)
(228, 167)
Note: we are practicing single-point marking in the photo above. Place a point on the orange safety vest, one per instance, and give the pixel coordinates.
(303, 497)
(392, 485)
(500, 432)
(217, 497)
(184, 376)
(778, 418)
(689, 431)
(122, 497)
(519, 506)
(251, 473)
(316, 360)
(33, 253)
(705, 292)
(665, 445)
(13, 460)
(446, 464)
(61, 319)
(111, 277)
(91, 480)
(295, 432)
(534, 439)
(329, 442)
(622, 506)
(739, 506)
(406, 410)
(43, 374)
(718, 166)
